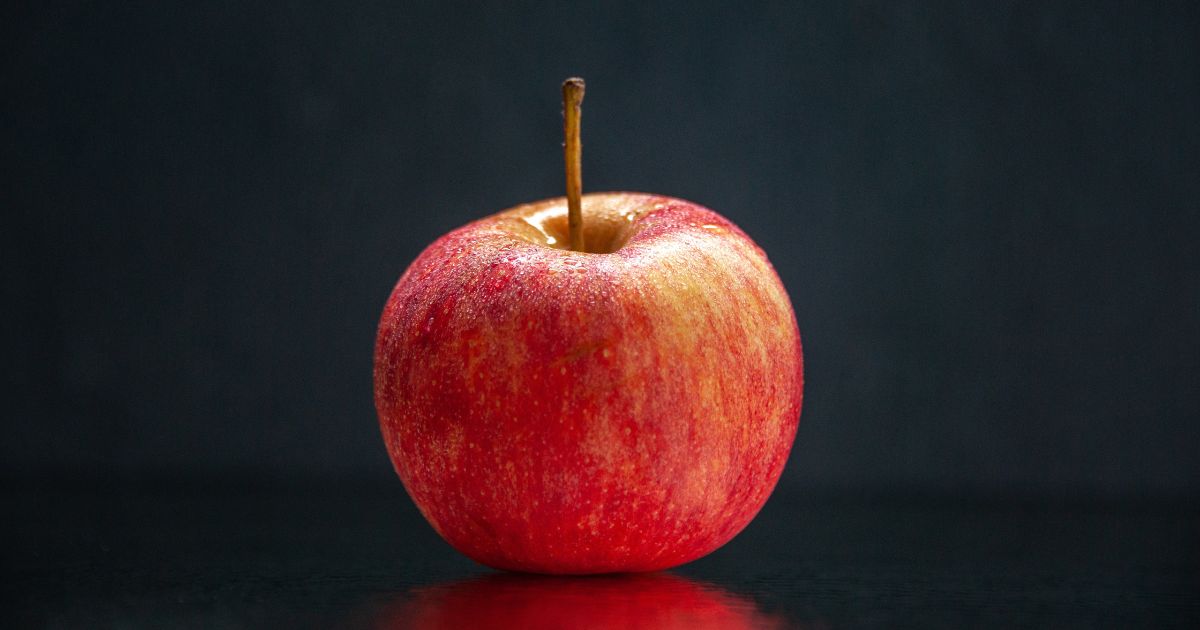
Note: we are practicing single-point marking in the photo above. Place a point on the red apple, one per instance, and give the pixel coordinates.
(625, 408)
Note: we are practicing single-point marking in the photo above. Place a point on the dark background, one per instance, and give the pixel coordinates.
(985, 213)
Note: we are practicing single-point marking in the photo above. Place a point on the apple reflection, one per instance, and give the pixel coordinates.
(657, 600)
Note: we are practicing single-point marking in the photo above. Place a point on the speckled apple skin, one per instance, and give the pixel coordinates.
(568, 412)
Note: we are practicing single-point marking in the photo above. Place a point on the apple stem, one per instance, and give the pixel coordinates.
(572, 90)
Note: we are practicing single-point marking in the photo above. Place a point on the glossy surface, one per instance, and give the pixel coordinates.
(202, 555)
(624, 409)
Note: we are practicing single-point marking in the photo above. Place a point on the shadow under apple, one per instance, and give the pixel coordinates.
(655, 600)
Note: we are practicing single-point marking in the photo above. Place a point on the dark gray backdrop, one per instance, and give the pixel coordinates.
(986, 215)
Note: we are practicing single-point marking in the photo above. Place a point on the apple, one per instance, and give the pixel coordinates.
(628, 406)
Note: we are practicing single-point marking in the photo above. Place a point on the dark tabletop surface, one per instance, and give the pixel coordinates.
(359, 555)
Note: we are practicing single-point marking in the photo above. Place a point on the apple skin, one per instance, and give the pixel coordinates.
(564, 412)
